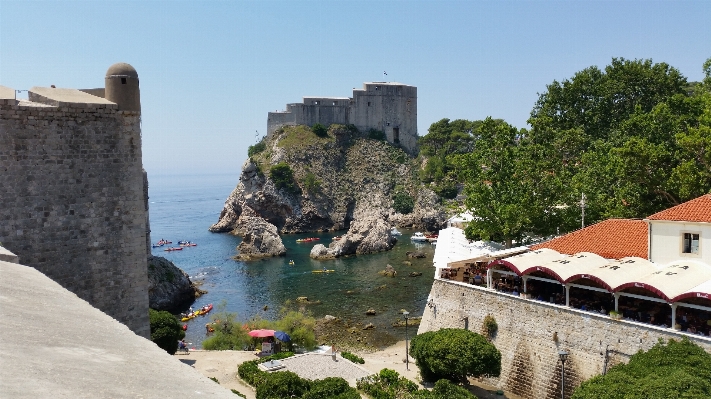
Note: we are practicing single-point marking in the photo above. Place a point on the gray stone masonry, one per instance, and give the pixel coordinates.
(73, 199)
(530, 334)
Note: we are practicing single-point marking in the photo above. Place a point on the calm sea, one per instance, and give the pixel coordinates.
(183, 207)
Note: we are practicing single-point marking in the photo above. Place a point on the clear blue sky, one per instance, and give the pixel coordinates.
(211, 70)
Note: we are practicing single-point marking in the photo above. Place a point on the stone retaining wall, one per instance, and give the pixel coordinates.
(73, 201)
(530, 334)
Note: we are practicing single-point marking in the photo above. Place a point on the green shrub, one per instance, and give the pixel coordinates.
(282, 176)
(454, 354)
(447, 190)
(387, 385)
(228, 335)
(374, 134)
(256, 149)
(331, 388)
(679, 369)
(319, 130)
(352, 357)
(238, 393)
(311, 183)
(403, 202)
(250, 373)
(489, 327)
(300, 326)
(165, 330)
(282, 384)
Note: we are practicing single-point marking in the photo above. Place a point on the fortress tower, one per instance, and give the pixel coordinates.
(72, 190)
(386, 106)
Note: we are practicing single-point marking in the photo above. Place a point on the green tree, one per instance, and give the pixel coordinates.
(300, 326)
(455, 354)
(165, 330)
(403, 202)
(319, 130)
(678, 369)
(282, 176)
(228, 334)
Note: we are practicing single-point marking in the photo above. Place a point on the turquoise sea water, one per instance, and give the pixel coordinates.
(183, 207)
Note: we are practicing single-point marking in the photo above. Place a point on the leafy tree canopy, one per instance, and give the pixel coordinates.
(455, 354)
(678, 369)
(165, 330)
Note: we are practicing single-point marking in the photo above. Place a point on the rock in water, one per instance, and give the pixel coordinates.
(169, 288)
(367, 235)
(261, 239)
(388, 272)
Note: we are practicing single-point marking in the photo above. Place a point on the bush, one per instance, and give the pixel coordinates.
(331, 388)
(228, 335)
(352, 357)
(311, 183)
(403, 202)
(445, 389)
(679, 369)
(319, 130)
(387, 385)
(256, 149)
(282, 384)
(301, 328)
(489, 327)
(282, 176)
(165, 330)
(238, 393)
(447, 190)
(454, 354)
(376, 135)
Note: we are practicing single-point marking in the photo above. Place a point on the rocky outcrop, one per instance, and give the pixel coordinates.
(388, 272)
(260, 239)
(169, 288)
(367, 235)
(342, 181)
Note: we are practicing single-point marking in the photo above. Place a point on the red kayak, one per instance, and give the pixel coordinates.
(185, 327)
(173, 249)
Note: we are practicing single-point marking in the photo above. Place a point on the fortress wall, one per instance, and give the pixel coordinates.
(530, 334)
(73, 202)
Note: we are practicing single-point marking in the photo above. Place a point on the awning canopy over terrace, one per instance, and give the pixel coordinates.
(673, 280)
(679, 280)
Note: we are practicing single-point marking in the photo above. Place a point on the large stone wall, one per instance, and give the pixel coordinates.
(73, 201)
(530, 334)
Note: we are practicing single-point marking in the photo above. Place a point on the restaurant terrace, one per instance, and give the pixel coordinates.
(650, 271)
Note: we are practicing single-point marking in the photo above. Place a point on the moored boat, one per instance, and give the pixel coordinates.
(173, 249)
(418, 237)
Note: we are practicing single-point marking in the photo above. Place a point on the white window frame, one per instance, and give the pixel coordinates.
(698, 247)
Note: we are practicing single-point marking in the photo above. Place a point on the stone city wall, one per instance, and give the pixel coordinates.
(73, 203)
(530, 334)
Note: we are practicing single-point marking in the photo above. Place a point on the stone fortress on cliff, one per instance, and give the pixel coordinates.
(74, 193)
(386, 106)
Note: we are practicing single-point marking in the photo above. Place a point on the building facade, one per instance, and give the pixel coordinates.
(385, 106)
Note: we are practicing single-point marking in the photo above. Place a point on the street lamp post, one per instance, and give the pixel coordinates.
(563, 355)
(407, 356)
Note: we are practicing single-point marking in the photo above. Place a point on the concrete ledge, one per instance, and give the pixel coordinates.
(7, 256)
(68, 98)
(7, 96)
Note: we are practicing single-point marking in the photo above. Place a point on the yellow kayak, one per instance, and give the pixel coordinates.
(322, 271)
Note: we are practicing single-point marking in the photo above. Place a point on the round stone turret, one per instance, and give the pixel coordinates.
(122, 87)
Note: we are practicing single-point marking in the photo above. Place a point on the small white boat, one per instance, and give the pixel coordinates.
(418, 237)
(395, 232)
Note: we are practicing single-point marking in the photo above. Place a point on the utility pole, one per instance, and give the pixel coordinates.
(582, 209)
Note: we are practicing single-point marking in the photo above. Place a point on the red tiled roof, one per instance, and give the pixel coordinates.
(696, 210)
(611, 239)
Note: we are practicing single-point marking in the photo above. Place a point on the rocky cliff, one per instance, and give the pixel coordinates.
(169, 288)
(332, 181)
